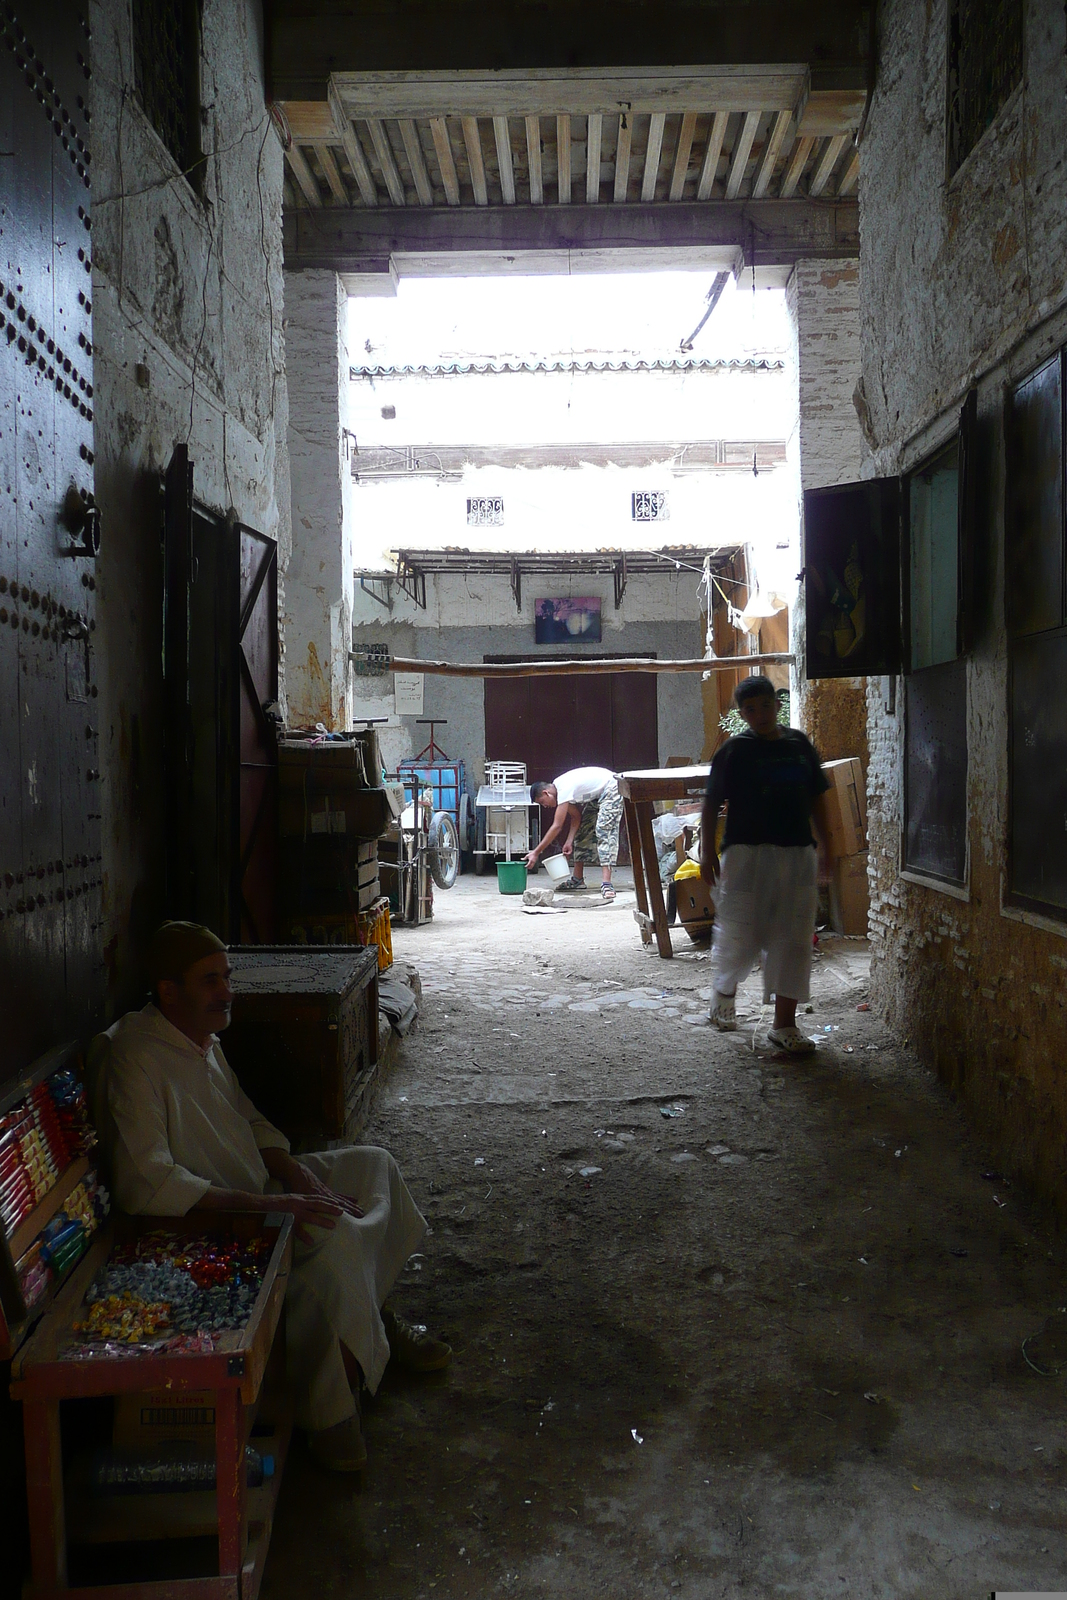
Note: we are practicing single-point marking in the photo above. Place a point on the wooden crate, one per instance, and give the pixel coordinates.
(233, 1372)
(304, 1034)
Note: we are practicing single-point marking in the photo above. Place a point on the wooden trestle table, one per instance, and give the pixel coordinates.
(639, 791)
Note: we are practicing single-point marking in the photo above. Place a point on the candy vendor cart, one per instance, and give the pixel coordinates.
(99, 1347)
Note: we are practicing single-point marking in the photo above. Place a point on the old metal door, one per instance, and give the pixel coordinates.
(51, 966)
(580, 720)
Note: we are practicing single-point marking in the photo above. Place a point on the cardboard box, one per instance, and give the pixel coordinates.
(696, 910)
(849, 895)
(846, 805)
(164, 1416)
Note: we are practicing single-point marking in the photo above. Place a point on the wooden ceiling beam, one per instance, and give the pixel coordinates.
(622, 156)
(533, 160)
(502, 135)
(712, 153)
(303, 174)
(416, 161)
(386, 160)
(563, 158)
(682, 154)
(353, 150)
(741, 152)
(333, 177)
(769, 160)
(473, 141)
(850, 176)
(593, 139)
(653, 150)
(827, 162)
(446, 161)
(796, 166)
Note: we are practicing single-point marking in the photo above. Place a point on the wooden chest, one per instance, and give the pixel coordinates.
(303, 1039)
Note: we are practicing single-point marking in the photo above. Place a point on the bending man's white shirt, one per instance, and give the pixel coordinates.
(175, 1122)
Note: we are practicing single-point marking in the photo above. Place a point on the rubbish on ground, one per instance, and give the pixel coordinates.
(671, 1111)
(863, 1007)
(639, 1439)
(848, 1050)
(589, 1172)
(870, 1395)
(960, 1253)
(1001, 1203)
(996, 1177)
(479, 1161)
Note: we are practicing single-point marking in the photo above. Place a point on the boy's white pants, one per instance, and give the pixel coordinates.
(765, 904)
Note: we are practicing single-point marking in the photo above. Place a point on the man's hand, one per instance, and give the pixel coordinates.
(568, 848)
(301, 1181)
(709, 868)
(307, 1211)
(531, 859)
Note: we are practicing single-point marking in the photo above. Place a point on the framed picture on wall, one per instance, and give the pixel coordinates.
(567, 621)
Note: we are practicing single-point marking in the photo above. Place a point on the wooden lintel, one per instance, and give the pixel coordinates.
(581, 665)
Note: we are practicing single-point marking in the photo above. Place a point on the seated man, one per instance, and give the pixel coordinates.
(588, 810)
(182, 1137)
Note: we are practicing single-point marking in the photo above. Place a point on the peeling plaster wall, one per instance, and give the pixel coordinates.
(825, 448)
(317, 618)
(467, 619)
(965, 284)
(181, 285)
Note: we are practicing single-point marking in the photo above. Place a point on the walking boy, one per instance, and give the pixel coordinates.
(773, 785)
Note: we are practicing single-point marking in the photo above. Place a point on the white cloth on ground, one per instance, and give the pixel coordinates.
(582, 784)
(765, 904)
(176, 1123)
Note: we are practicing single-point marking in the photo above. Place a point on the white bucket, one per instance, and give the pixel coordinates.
(557, 867)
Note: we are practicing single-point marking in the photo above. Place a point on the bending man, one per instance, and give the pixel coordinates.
(588, 810)
(181, 1137)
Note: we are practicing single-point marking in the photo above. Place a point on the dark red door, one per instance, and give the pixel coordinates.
(579, 720)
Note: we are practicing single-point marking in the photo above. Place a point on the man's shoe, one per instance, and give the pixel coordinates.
(572, 884)
(723, 1012)
(412, 1347)
(340, 1448)
(792, 1041)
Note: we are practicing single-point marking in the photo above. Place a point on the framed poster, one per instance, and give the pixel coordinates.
(567, 621)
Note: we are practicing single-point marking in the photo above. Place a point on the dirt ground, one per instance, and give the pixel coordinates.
(723, 1324)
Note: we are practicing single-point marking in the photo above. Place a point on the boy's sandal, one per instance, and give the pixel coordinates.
(607, 891)
(792, 1041)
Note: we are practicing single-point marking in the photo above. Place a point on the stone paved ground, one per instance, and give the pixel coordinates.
(770, 1344)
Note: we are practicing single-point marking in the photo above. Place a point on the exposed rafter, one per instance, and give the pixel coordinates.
(409, 133)
(653, 150)
(503, 160)
(594, 136)
(386, 160)
(446, 161)
(533, 159)
(622, 155)
(563, 157)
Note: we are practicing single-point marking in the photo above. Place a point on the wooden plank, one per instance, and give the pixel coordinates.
(44, 1492)
(827, 162)
(550, 91)
(682, 154)
(45, 1210)
(533, 159)
(850, 176)
(162, 1589)
(622, 156)
(416, 161)
(563, 158)
(712, 152)
(655, 887)
(579, 665)
(741, 152)
(386, 160)
(796, 166)
(593, 139)
(446, 161)
(633, 833)
(333, 176)
(230, 1481)
(653, 150)
(303, 174)
(310, 121)
(353, 150)
(765, 170)
(664, 783)
(473, 141)
(502, 135)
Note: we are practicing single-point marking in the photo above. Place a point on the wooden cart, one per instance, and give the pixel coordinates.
(234, 1372)
(640, 791)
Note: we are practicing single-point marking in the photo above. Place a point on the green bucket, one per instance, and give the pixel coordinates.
(511, 876)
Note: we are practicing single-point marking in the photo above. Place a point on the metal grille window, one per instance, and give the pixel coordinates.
(485, 511)
(166, 48)
(985, 63)
(649, 505)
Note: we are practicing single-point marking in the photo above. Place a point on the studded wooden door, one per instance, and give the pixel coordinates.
(51, 966)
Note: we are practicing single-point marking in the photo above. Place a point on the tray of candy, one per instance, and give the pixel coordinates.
(192, 1301)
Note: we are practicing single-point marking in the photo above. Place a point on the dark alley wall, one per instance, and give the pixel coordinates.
(963, 285)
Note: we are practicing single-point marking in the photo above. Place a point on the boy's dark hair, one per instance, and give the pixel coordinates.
(749, 688)
(537, 789)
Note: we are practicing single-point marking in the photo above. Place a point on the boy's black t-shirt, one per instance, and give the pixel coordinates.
(769, 786)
